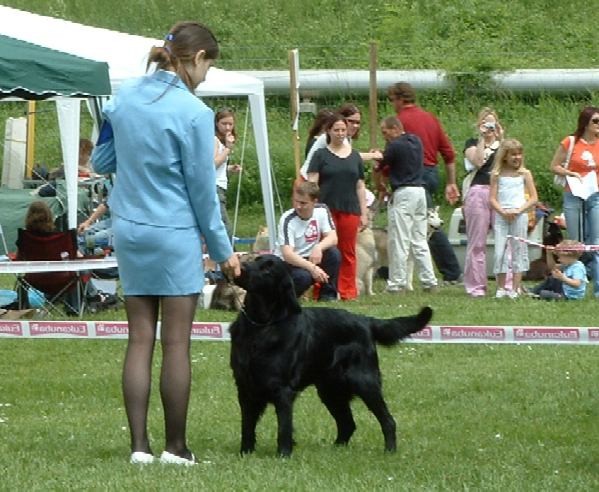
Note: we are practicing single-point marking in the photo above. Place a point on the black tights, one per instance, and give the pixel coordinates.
(175, 374)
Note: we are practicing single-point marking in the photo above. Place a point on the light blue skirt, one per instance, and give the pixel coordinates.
(157, 261)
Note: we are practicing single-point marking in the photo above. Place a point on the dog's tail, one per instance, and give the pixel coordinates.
(391, 331)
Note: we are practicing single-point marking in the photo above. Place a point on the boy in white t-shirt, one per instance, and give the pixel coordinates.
(307, 243)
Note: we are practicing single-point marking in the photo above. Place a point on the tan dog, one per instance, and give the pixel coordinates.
(366, 261)
(261, 243)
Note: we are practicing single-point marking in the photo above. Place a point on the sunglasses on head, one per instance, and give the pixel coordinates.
(595, 120)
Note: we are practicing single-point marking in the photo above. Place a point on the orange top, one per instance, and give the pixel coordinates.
(585, 157)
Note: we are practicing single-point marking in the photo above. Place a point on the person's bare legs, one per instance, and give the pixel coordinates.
(501, 278)
(142, 316)
(175, 376)
(516, 282)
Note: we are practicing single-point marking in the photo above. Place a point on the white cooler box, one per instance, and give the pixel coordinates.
(457, 238)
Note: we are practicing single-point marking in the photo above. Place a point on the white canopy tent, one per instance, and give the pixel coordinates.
(126, 55)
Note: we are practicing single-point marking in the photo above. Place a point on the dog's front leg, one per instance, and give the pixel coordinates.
(284, 410)
(251, 410)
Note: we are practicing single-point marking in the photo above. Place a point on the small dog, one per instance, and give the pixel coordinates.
(227, 296)
(279, 348)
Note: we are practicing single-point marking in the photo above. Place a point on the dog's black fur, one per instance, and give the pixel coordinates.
(278, 349)
(541, 267)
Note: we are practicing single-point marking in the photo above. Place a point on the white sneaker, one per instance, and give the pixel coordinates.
(141, 458)
(167, 458)
(501, 293)
(513, 294)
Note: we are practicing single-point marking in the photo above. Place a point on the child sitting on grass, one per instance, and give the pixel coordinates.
(568, 280)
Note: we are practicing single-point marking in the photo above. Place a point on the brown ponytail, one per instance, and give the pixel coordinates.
(181, 45)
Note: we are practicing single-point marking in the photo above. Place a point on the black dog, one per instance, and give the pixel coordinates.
(278, 349)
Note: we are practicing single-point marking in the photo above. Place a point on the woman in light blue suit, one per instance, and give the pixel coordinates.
(159, 139)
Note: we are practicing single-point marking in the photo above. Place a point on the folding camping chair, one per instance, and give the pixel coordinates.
(56, 286)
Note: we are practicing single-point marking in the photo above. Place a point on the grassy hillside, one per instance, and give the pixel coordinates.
(450, 34)
(467, 38)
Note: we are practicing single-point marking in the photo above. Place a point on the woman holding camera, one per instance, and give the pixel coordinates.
(479, 154)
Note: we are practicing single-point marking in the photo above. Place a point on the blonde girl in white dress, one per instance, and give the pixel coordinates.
(512, 194)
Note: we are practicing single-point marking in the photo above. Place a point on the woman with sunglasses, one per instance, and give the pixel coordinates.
(353, 119)
(581, 212)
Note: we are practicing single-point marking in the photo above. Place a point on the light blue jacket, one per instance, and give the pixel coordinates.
(159, 139)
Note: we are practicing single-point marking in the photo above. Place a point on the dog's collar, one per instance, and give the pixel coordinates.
(266, 323)
(248, 317)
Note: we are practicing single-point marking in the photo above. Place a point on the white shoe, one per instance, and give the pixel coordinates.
(501, 293)
(513, 294)
(141, 458)
(167, 458)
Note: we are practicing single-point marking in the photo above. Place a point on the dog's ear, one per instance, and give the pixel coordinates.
(287, 292)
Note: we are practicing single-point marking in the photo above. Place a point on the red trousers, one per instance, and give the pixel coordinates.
(347, 226)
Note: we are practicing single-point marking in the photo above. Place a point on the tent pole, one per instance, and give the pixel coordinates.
(30, 153)
(377, 179)
(294, 100)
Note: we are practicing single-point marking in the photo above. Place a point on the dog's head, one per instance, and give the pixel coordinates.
(433, 218)
(269, 288)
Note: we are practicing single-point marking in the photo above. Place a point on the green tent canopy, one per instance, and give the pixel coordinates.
(29, 71)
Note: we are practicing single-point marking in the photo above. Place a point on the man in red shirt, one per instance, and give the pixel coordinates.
(435, 141)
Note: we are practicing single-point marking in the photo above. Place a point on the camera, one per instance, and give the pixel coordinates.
(489, 125)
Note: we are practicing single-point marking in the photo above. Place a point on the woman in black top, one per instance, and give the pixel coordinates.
(339, 172)
(479, 155)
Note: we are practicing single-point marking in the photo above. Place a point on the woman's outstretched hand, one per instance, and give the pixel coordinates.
(231, 267)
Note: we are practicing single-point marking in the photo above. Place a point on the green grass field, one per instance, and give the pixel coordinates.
(470, 417)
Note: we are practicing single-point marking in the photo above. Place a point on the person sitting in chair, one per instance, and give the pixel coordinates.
(307, 242)
(39, 221)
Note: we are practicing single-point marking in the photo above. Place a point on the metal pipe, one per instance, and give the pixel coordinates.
(317, 82)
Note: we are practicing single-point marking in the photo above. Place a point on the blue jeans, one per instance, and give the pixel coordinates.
(443, 254)
(302, 279)
(582, 222)
(431, 183)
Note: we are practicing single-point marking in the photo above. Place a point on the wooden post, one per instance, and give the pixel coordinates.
(377, 178)
(30, 146)
(294, 102)
(373, 96)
